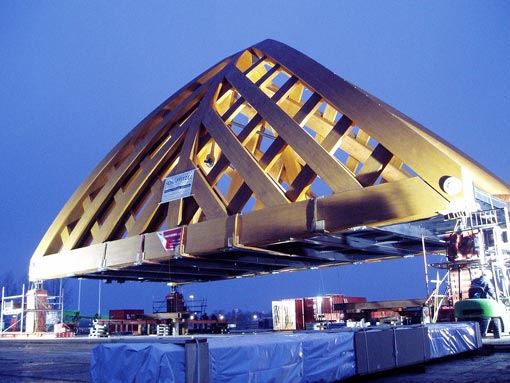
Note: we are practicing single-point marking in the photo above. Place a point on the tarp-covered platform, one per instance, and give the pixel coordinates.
(325, 356)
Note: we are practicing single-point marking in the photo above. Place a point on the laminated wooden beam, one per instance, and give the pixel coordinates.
(374, 166)
(265, 131)
(207, 198)
(250, 170)
(420, 155)
(330, 142)
(333, 173)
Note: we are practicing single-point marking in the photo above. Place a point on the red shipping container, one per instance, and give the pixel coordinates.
(309, 310)
(126, 314)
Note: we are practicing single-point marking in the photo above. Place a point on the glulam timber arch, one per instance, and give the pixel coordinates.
(294, 167)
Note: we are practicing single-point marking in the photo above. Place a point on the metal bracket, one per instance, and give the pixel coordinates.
(317, 226)
(140, 256)
(102, 266)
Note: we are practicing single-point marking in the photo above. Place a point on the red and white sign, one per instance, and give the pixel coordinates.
(170, 239)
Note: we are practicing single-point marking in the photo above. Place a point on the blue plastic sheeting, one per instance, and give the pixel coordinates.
(138, 362)
(452, 338)
(306, 357)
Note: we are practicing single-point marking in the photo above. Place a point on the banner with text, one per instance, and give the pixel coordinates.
(177, 186)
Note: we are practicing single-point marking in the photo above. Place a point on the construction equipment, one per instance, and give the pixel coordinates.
(478, 244)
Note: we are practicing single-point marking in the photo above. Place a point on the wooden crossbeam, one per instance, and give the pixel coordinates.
(222, 162)
(207, 198)
(419, 154)
(149, 166)
(306, 111)
(374, 166)
(267, 190)
(330, 143)
(175, 208)
(332, 172)
(382, 169)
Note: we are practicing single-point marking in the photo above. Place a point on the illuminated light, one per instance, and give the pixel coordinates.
(451, 185)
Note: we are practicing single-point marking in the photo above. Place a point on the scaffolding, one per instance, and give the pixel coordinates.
(196, 307)
(478, 243)
(32, 312)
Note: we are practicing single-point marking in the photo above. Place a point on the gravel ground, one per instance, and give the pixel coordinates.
(45, 360)
(487, 366)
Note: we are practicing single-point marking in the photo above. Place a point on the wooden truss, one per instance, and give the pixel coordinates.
(284, 152)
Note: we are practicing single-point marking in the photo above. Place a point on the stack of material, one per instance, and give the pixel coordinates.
(325, 356)
(99, 330)
(163, 330)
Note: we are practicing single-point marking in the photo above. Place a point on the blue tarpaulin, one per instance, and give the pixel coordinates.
(310, 357)
(137, 363)
(453, 338)
(325, 356)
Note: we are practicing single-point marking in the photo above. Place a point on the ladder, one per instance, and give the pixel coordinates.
(484, 218)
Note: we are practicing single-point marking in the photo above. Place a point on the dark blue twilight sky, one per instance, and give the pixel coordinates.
(76, 76)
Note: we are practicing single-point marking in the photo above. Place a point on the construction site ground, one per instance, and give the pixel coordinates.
(68, 360)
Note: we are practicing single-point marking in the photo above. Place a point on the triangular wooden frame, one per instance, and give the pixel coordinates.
(268, 130)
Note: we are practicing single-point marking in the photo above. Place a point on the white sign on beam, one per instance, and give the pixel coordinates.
(177, 186)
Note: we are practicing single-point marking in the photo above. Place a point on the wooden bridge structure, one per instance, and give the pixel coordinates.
(267, 162)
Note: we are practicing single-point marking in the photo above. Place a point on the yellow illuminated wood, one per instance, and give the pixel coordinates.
(374, 166)
(419, 154)
(259, 127)
(247, 167)
(328, 168)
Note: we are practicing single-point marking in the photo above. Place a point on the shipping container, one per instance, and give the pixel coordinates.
(306, 313)
(126, 314)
